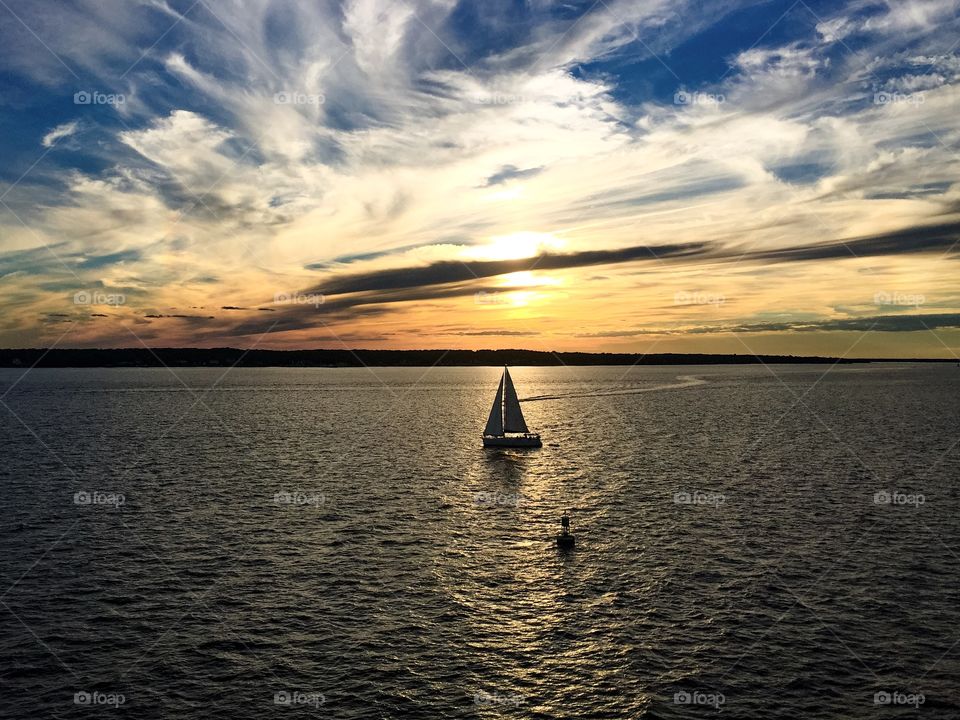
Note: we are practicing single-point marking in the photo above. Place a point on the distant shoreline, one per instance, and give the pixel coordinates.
(228, 357)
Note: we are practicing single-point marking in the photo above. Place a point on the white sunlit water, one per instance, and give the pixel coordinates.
(771, 542)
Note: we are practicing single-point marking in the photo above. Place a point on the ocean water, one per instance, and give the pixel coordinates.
(777, 542)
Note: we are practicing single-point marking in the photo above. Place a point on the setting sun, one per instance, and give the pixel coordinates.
(517, 245)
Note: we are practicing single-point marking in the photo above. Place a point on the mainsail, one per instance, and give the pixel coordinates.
(512, 416)
(495, 421)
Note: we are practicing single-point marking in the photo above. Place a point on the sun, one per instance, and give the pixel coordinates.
(516, 246)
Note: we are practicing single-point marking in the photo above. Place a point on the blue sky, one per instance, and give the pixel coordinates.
(204, 159)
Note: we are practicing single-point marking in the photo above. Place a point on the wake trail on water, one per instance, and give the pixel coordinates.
(685, 381)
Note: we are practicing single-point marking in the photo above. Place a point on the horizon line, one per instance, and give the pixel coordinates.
(147, 356)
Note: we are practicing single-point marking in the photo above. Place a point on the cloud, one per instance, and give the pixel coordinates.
(511, 172)
(891, 323)
(360, 257)
(913, 240)
(925, 239)
(183, 317)
(95, 262)
(453, 271)
(59, 133)
(877, 323)
(495, 333)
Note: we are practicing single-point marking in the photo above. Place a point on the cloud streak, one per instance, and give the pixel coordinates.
(875, 323)
(457, 271)
(930, 239)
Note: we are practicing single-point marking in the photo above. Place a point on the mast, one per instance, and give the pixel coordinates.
(503, 404)
(495, 420)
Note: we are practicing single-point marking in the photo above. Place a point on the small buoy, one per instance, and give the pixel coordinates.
(565, 539)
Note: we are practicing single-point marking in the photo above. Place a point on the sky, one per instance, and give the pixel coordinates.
(646, 176)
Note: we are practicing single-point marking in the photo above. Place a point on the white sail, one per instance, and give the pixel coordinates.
(495, 421)
(512, 416)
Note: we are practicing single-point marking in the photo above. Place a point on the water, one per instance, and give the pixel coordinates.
(415, 574)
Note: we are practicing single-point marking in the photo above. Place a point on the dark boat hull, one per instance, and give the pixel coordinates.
(530, 440)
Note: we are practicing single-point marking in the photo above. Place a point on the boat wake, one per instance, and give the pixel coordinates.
(684, 382)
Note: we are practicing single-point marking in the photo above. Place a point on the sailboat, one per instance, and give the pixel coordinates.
(506, 426)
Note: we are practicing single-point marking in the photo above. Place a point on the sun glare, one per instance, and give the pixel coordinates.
(527, 278)
(521, 298)
(517, 245)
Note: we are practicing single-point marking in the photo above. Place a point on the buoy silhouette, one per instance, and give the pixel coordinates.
(565, 538)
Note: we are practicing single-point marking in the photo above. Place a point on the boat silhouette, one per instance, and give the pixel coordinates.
(506, 426)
